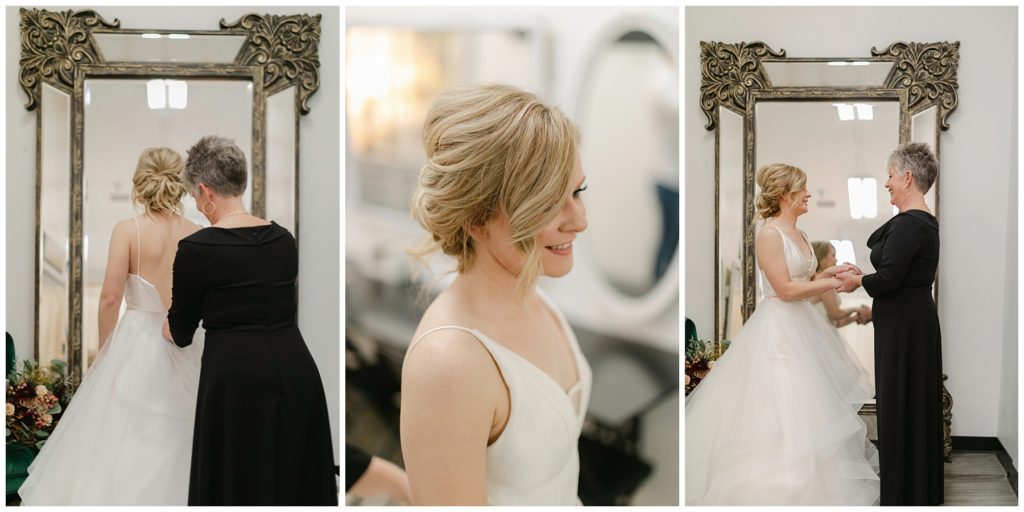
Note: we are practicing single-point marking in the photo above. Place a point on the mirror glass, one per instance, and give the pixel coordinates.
(924, 127)
(54, 215)
(843, 146)
(394, 74)
(629, 122)
(157, 46)
(835, 73)
(730, 224)
(281, 180)
(122, 117)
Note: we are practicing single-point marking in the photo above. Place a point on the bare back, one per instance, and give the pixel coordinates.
(153, 248)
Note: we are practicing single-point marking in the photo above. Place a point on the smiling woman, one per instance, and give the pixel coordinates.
(494, 385)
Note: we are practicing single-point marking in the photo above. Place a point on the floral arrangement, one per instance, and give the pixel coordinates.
(700, 359)
(36, 396)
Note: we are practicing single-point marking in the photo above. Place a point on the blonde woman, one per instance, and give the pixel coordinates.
(494, 385)
(775, 422)
(125, 439)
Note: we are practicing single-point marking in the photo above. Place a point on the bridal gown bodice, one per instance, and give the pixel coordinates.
(801, 268)
(535, 460)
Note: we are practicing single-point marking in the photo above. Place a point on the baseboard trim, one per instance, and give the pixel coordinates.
(988, 444)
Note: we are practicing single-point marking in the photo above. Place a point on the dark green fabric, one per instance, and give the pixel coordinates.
(18, 459)
(11, 359)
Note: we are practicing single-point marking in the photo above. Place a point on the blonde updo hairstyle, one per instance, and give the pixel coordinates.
(157, 184)
(491, 149)
(777, 181)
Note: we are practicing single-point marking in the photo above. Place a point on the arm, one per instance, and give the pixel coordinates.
(901, 245)
(186, 296)
(772, 259)
(114, 278)
(838, 315)
(449, 385)
(383, 478)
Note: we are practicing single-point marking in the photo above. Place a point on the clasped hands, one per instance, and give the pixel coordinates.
(849, 277)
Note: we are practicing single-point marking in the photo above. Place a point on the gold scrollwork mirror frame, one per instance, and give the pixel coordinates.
(58, 48)
(923, 75)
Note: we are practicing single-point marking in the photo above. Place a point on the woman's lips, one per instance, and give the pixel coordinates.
(561, 250)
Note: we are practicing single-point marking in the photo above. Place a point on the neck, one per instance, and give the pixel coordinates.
(785, 218)
(488, 280)
(227, 207)
(913, 202)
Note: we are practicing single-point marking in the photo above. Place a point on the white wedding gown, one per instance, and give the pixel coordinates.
(126, 436)
(775, 422)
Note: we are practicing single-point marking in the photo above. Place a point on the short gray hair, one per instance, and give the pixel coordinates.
(217, 162)
(917, 158)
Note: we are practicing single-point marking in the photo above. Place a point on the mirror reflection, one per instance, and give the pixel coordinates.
(843, 146)
(831, 73)
(121, 118)
(730, 224)
(630, 118)
(53, 240)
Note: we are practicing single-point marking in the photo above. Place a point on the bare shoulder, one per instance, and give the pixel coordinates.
(123, 229)
(769, 234)
(449, 363)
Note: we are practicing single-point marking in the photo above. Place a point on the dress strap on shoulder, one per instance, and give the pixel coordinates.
(440, 327)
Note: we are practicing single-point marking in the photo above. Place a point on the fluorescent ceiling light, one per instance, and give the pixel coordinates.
(838, 63)
(844, 252)
(177, 36)
(865, 112)
(177, 94)
(860, 63)
(150, 35)
(845, 111)
(869, 197)
(156, 94)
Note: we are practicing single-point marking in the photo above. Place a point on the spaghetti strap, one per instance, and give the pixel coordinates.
(138, 248)
(438, 328)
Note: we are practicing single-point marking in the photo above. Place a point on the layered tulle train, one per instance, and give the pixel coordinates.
(126, 437)
(775, 422)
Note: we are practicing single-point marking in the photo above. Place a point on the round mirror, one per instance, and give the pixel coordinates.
(629, 119)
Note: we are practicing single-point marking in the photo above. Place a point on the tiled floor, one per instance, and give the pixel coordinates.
(977, 478)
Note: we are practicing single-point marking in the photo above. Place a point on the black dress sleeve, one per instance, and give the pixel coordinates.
(902, 243)
(356, 463)
(186, 296)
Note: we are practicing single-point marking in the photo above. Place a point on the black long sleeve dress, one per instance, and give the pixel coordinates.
(908, 358)
(262, 434)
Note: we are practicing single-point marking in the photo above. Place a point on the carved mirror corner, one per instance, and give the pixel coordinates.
(836, 118)
(103, 93)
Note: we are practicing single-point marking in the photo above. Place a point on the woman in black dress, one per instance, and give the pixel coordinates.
(262, 434)
(908, 350)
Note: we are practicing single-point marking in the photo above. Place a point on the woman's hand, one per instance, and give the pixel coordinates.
(850, 281)
(838, 269)
(166, 330)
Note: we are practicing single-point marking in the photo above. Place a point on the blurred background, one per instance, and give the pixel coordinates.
(614, 71)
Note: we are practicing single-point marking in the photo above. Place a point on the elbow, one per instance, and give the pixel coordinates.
(109, 301)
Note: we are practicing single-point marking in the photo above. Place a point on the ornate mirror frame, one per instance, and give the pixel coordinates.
(733, 77)
(58, 48)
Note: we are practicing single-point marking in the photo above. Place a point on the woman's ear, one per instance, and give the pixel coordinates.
(477, 232)
(205, 191)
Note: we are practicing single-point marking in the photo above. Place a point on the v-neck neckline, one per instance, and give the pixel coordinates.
(567, 340)
(798, 248)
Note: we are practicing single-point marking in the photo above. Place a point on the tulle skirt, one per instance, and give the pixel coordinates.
(126, 436)
(775, 421)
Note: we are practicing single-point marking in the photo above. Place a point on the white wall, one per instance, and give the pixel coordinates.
(318, 185)
(978, 161)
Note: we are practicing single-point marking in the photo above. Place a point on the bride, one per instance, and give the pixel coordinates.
(126, 436)
(775, 422)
